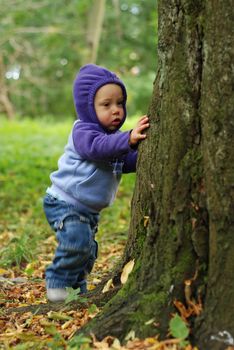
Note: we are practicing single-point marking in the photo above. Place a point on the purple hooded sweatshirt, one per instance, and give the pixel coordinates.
(94, 158)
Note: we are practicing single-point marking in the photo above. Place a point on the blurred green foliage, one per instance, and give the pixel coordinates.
(44, 43)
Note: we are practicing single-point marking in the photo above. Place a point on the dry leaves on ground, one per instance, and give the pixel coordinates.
(58, 328)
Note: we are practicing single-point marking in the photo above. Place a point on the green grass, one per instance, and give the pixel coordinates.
(29, 151)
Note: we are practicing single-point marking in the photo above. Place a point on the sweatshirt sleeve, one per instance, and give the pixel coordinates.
(130, 162)
(97, 146)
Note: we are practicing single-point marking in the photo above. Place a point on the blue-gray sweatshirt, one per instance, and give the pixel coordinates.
(90, 169)
(90, 178)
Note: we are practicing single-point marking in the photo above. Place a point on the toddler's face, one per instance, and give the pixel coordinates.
(108, 104)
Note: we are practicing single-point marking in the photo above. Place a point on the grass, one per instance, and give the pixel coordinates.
(29, 152)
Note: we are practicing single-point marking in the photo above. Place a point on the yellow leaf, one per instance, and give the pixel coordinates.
(108, 286)
(92, 286)
(67, 324)
(126, 271)
(146, 221)
(2, 271)
(130, 336)
(116, 344)
(150, 321)
(56, 316)
(151, 340)
(96, 280)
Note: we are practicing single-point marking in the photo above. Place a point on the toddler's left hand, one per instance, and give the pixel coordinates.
(136, 133)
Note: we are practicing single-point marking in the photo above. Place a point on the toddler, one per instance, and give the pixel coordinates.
(88, 174)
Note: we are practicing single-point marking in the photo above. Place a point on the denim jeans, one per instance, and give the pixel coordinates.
(77, 249)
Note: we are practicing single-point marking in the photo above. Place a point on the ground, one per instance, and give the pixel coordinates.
(30, 150)
(51, 329)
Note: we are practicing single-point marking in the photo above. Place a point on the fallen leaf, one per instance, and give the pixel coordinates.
(184, 312)
(108, 286)
(126, 271)
(146, 221)
(149, 322)
(58, 316)
(67, 324)
(116, 344)
(130, 336)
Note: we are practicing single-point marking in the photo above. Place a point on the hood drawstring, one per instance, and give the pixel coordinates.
(117, 166)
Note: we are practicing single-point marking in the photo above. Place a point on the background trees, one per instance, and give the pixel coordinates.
(44, 43)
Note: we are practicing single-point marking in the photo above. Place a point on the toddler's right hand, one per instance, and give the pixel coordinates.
(136, 133)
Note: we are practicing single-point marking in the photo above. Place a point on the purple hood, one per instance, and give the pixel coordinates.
(89, 79)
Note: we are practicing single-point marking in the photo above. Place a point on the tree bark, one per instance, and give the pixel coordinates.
(217, 147)
(181, 231)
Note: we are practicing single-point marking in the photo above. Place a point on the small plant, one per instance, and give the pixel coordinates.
(79, 342)
(178, 329)
(19, 250)
(57, 342)
(74, 295)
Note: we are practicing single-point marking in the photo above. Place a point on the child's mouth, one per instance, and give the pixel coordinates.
(116, 121)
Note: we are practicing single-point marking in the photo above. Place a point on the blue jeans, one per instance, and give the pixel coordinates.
(77, 249)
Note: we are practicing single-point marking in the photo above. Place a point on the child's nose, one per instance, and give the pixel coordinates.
(116, 110)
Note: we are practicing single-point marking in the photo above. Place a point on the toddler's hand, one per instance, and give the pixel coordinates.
(136, 133)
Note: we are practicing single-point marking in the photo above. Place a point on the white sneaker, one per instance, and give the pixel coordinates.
(56, 294)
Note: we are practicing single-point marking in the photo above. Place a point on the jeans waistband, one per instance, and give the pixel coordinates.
(58, 193)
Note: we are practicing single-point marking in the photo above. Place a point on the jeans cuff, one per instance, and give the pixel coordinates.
(82, 285)
(51, 283)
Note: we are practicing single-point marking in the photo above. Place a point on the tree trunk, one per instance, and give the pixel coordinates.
(217, 107)
(181, 231)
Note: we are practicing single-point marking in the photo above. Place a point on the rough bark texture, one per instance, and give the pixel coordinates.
(184, 184)
(217, 107)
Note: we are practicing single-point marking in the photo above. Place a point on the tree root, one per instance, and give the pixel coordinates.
(94, 297)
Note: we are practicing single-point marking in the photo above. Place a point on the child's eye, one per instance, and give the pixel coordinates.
(106, 104)
(120, 103)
